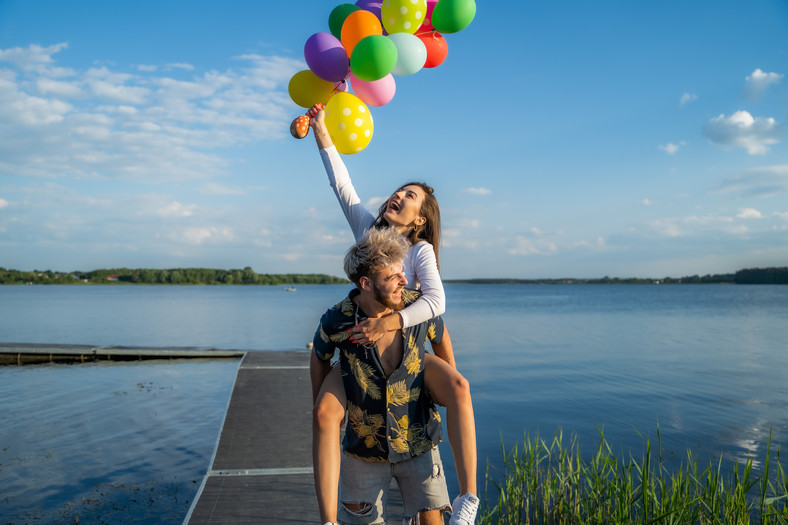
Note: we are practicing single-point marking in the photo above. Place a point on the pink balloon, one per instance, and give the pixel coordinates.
(326, 57)
(374, 93)
(427, 25)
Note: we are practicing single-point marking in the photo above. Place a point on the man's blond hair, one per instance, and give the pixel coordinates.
(380, 248)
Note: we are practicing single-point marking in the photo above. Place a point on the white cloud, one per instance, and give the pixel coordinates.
(756, 84)
(671, 148)
(686, 98)
(48, 86)
(645, 202)
(478, 191)
(219, 189)
(176, 209)
(741, 129)
(763, 181)
(523, 245)
(207, 234)
(695, 225)
(100, 122)
(31, 57)
(749, 213)
(3, 203)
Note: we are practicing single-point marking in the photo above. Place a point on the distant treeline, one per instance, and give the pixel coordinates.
(170, 276)
(248, 276)
(747, 276)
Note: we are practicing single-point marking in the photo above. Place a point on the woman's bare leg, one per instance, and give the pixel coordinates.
(449, 388)
(327, 417)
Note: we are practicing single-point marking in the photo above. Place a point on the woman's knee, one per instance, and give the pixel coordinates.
(327, 412)
(461, 389)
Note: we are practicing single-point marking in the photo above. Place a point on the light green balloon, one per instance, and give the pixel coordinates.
(373, 58)
(451, 16)
(411, 54)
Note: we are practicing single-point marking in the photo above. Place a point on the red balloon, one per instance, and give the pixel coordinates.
(437, 48)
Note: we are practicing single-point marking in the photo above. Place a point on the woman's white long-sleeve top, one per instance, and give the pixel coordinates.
(420, 265)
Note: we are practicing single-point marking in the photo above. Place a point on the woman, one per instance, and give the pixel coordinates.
(413, 211)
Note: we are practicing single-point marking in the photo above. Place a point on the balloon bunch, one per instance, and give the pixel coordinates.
(369, 42)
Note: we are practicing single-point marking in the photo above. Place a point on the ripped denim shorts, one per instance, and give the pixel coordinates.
(365, 485)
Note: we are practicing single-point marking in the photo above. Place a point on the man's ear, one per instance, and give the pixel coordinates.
(365, 283)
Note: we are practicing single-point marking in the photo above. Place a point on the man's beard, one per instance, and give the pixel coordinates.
(386, 301)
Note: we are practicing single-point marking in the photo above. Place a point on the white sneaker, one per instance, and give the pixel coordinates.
(463, 510)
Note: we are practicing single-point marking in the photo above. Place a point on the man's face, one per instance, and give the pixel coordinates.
(387, 287)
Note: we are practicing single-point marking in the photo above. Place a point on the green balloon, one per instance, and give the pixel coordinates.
(450, 16)
(373, 58)
(337, 18)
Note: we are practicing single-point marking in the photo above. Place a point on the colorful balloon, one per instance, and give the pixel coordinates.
(307, 89)
(411, 54)
(450, 16)
(373, 58)
(437, 48)
(349, 123)
(326, 57)
(373, 6)
(338, 16)
(359, 25)
(403, 16)
(427, 24)
(375, 93)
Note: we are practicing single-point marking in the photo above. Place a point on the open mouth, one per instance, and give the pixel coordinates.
(394, 206)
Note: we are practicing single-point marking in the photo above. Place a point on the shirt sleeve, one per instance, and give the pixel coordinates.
(322, 344)
(358, 217)
(435, 329)
(432, 302)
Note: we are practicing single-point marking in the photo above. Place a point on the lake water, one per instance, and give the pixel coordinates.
(708, 363)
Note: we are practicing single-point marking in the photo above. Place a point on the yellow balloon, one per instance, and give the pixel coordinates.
(403, 16)
(349, 123)
(307, 89)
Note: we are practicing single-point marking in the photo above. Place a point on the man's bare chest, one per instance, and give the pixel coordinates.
(390, 351)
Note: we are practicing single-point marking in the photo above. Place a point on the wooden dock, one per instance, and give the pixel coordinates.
(262, 468)
(261, 471)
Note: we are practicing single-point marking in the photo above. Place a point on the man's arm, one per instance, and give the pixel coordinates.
(318, 370)
(444, 349)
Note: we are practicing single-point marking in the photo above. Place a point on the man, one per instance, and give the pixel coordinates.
(393, 427)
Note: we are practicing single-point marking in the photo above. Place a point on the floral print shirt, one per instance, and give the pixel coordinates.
(390, 419)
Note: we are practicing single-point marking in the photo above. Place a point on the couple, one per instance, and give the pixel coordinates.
(385, 380)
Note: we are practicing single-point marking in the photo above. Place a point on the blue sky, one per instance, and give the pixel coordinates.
(564, 139)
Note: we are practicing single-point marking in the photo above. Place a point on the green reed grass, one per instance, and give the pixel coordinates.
(551, 483)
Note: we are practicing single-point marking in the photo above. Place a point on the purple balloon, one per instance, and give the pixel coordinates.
(326, 57)
(373, 6)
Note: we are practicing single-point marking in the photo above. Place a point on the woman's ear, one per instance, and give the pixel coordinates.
(420, 221)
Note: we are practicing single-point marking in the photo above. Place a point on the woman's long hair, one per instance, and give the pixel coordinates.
(430, 231)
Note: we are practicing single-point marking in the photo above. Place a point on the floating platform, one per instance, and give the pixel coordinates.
(33, 353)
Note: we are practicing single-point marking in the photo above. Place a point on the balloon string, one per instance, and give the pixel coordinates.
(335, 90)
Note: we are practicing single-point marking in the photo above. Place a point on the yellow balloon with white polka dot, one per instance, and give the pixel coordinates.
(403, 16)
(349, 123)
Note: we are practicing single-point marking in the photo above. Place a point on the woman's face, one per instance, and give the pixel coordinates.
(404, 207)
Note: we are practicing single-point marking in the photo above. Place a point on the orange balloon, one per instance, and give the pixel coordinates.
(358, 25)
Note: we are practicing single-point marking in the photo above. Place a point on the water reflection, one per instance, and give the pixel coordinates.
(117, 442)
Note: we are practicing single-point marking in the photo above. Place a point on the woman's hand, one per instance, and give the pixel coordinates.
(317, 121)
(371, 330)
